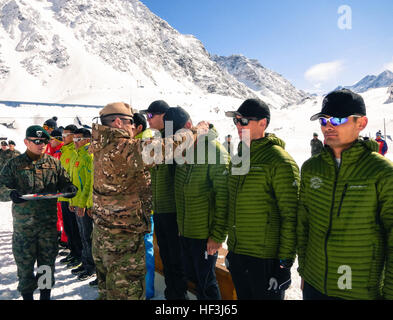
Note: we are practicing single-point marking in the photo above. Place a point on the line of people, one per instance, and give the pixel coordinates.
(335, 213)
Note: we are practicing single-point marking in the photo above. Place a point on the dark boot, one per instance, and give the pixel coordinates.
(28, 296)
(45, 294)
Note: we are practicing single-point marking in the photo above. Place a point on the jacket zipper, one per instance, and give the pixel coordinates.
(234, 214)
(342, 199)
(329, 228)
(188, 175)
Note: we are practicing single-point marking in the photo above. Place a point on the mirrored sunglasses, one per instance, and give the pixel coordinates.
(150, 115)
(65, 135)
(39, 141)
(244, 121)
(333, 121)
(128, 119)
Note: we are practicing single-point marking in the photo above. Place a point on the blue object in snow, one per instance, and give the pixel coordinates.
(150, 266)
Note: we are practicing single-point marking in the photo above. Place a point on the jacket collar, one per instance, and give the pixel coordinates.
(353, 153)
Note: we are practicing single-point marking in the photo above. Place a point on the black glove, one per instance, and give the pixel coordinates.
(16, 197)
(70, 189)
(280, 279)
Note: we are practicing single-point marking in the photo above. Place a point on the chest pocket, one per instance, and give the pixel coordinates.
(357, 198)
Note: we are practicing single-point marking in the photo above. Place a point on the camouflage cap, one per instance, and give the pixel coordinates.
(117, 108)
(37, 132)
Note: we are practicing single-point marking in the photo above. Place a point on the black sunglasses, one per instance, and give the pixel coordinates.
(39, 141)
(244, 121)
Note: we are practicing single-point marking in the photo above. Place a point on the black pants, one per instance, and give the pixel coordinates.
(251, 276)
(310, 293)
(85, 225)
(167, 234)
(200, 268)
(71, 230)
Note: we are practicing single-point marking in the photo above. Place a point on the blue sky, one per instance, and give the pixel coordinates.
(303, 40)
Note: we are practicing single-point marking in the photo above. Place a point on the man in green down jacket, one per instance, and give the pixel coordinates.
(34, 239)
(345, 216)
(262, 208)
(201, 202)
(164, 207)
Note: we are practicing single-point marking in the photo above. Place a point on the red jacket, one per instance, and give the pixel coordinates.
(383, 147)
(54, 152)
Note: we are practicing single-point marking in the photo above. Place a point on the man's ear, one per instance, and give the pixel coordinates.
(26, 142)
(188, 125)
(118, 123)
(363, 123)
(139, 128)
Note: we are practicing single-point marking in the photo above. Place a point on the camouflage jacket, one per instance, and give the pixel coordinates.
(6, 155)
(316, 146)
(121, 188)
(122, 198)
(45, 175)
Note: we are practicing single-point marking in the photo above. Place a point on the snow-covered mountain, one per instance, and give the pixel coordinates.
(269, 85)
(384, 79)
(390, 93)
(63, 50)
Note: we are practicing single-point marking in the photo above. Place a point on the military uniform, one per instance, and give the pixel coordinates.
(121, 213)
(34, 222)
(316, 146)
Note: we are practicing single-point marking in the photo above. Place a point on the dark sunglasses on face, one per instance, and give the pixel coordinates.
(334, 121)
(244, 121)
(39, 141)
(150, 115)
(129, 119)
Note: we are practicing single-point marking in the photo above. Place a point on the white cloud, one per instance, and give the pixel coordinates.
(323, 72)
(388, 66)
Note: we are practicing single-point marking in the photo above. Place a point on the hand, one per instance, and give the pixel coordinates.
(80, 212)
(280, 280)
(70, 189)
(16, 197)
(89, 212)
(212, 246)
(203, 127)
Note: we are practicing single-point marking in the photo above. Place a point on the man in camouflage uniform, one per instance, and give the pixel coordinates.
(12, 151)
(316, 145)
(121, 205)
(7, 153)
(34, 222)
(3, 153)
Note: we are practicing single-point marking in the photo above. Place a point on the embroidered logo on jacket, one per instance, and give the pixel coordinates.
(316, 182)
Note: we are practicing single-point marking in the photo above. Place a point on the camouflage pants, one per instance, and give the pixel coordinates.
(120, 264)
(28, 248)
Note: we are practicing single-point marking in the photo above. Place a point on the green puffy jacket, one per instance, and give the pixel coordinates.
(82, 176)
(201, 191)
(345, 221)
(67, 152)
(263, 202)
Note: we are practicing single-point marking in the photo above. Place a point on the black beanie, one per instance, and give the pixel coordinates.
(51, 123)
(178, 115)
